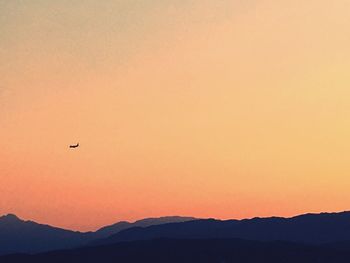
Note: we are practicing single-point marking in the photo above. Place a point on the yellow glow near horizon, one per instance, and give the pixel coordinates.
(204, 108)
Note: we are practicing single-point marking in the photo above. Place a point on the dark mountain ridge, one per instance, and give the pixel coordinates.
(17, 235)
(117, 227)
(308, 228)
(20, 236)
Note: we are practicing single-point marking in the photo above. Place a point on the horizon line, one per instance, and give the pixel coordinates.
(182, 216)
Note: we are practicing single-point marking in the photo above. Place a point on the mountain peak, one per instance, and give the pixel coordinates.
(10, 218)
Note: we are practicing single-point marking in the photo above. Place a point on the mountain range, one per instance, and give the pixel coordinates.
(19, 236)
(309, 228)
(306, 238)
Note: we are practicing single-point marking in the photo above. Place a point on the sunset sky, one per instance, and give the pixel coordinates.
(206, 108)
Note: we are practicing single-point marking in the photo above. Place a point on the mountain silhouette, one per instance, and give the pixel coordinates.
(308, 228)
(192, 251)
(115, 228)
(19, 236)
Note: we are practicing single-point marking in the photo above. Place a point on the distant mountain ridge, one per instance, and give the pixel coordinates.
(122, 225)
(309, 228)
(17, 235)
(20, 236)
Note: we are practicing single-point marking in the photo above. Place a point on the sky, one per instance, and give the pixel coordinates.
(221, 109)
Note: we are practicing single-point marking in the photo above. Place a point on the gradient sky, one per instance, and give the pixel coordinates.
(220, 108)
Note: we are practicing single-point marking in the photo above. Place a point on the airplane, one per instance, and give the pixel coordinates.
(74, 146)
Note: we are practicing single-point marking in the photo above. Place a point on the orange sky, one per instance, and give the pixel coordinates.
(205, 108)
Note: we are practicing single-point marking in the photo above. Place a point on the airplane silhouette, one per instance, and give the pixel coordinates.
(74, 146)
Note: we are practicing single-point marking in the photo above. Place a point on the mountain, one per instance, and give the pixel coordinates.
(308, 228)
(192, 250)
(17, 235)
(115, 228)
